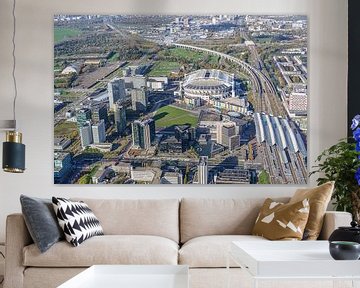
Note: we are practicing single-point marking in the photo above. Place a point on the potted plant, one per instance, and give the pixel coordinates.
(341, 163)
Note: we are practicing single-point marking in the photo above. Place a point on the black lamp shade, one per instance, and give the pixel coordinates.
(13, 157)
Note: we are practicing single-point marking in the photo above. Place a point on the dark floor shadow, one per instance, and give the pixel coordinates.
(160, 115)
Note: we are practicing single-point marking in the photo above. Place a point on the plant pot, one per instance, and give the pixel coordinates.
(350, 234)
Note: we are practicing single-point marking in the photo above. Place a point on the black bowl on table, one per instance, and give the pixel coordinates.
(344, 250)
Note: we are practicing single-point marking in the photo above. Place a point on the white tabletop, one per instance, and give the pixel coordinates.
(291, 259)
(131, 276)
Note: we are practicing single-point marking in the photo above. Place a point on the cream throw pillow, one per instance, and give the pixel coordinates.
(279, 221)
(319, 198)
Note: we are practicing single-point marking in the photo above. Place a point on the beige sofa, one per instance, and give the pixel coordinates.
(194, 232)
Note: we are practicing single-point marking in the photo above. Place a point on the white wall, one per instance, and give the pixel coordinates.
(327, 73)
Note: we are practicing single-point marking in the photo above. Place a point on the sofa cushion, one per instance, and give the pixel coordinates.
(137, 217)
(201, 217)
(107, 249)
(41, 221)
(279, 221)
(76, 220)
(319, 198)
(211, 251)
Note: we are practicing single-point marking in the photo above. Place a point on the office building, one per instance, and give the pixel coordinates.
(139, 99)
(157, 83)
(229, 136)
(135, 128)
(298, 103)
(83, 115)
(203, 170)
(98, 132)
(227, 130)
(86, 137)
(116, 91)
(236, 175)
(171, 145)
(143, 175)
(212, 121)
(149, 132)
(234, 142)
(69, 114)
(172, 178)
(99, 112)
(120, 118)
(143, 133)
(186, 135)
(61, 144)
(135, 82)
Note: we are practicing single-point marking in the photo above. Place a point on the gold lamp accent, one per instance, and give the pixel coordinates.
(13, 153)
(14, 136)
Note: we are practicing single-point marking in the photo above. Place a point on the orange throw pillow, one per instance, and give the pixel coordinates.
(279, 221)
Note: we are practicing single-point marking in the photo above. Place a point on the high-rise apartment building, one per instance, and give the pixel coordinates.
(186, 135)
(116, 91)
(143, 133)
(83, 115)
(98, 132)
(203, 170)
(234, 142)
(229, 136)
(227, 130)
(86, 135)
(99, 112)
(139, 99)
(120, 118)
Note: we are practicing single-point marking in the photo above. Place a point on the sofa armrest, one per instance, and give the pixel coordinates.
(17, 237)
(333, 220)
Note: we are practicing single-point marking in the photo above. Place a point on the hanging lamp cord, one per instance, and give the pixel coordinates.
(14, 60)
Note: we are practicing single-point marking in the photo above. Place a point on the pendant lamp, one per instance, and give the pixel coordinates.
(13, 160)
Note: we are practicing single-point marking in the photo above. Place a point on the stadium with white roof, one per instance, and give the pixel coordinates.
(209, 84)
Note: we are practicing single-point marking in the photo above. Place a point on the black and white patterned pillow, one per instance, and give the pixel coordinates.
(77, 220)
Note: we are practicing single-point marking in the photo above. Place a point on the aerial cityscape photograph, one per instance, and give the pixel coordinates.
(180, 99)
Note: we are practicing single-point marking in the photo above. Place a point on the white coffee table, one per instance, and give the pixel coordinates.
(131, 276)
(293, 260)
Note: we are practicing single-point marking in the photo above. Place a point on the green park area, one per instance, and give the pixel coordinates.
(187, 56)
(114, 57)
(264, 177)
(66, 129)
(163, 68)
(61, 34)
(87, 178)
(169, 116)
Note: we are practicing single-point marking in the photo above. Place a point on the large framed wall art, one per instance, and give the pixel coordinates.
(180, 99)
